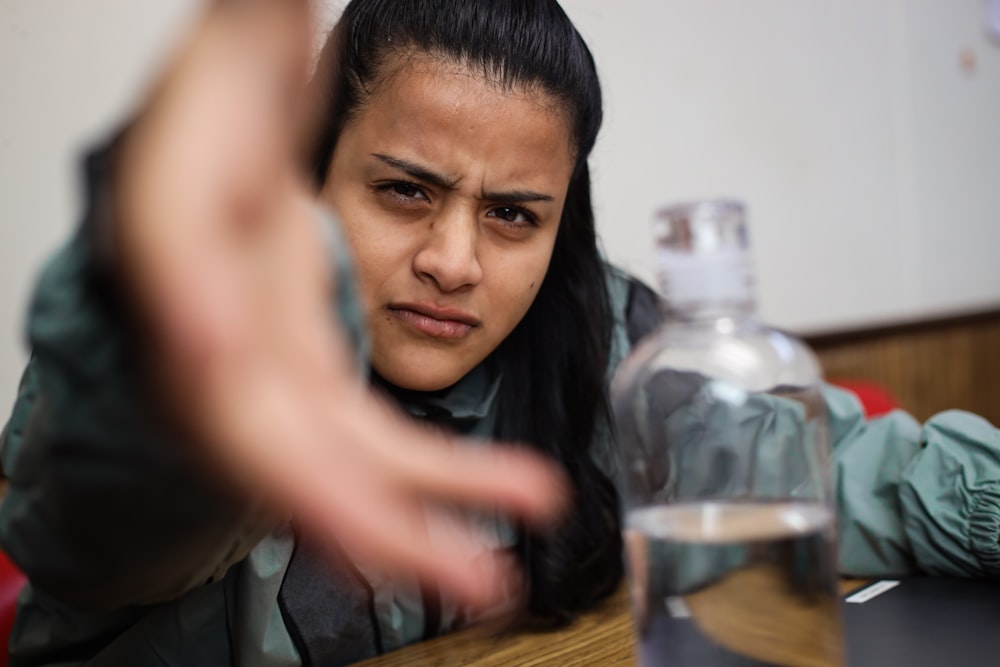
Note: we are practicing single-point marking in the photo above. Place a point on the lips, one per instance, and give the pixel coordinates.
(435, 321)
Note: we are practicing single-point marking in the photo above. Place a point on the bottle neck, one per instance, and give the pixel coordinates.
(715, 315)
(707, 286)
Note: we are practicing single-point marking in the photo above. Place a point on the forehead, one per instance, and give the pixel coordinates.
(422, 97)
(426, 65)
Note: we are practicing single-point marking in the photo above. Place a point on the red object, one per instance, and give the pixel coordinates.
(11, 583)
(875, 399)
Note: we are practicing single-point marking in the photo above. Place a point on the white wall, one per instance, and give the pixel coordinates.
(68, 71)
(868, 155)
(869, 158)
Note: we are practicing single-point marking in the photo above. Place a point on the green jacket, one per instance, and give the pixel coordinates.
(136, 557)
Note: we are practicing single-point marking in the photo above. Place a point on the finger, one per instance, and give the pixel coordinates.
(250, 5)
(204, 168)
(452, 469)
(334, 487)
(328, 481)
(315, 130)
(277, 36)
(347, 500)
(378, 530)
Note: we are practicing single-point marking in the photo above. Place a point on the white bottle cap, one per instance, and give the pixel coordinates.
(703, 255)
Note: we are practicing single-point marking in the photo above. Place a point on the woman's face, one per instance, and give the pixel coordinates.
(450, 191)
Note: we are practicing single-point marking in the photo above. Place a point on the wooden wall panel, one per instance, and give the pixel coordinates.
(928, 367)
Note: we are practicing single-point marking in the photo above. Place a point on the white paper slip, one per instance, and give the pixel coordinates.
(676, 607)
(873, 591)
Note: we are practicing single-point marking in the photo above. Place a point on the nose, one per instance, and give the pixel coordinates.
(448, 255)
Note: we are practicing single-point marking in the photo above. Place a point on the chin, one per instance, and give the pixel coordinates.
(415, 380)
(430, 385)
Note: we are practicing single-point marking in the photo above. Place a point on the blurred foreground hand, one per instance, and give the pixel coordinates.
(220, 247)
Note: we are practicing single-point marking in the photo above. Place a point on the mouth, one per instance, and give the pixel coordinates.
(430, 320)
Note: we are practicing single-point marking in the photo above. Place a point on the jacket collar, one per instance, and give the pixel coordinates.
(471, 398)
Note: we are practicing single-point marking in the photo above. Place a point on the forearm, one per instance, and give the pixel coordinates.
(916, 498)
(951, 497)
(108, 505)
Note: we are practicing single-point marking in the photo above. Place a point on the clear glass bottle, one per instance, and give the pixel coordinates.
(729, 516)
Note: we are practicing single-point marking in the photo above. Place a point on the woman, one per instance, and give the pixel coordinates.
(454, 149)
(455, 153)
(457, 160)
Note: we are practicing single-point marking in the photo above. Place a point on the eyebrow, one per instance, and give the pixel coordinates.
(416, 171)
(423, 174)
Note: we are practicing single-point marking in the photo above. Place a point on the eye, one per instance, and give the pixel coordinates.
(402, 191)
(513, 216)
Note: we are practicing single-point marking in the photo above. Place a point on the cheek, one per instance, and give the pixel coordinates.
(521, 282)
(375, 246)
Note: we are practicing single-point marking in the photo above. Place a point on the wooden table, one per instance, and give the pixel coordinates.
(601, 638)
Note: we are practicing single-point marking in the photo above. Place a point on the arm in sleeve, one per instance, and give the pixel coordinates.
(915, 498)
(951, 497)
(911, 497)
(107, 506)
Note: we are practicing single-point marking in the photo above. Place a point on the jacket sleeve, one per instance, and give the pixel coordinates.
(107, 505)
(910, 497)
(915, 498)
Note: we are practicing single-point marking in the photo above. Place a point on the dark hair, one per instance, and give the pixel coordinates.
(555, 362)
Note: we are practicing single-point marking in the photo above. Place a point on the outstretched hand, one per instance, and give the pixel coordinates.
(218, 239)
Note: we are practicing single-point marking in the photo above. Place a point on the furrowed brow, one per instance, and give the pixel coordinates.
(516, 196)
(416, 171)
